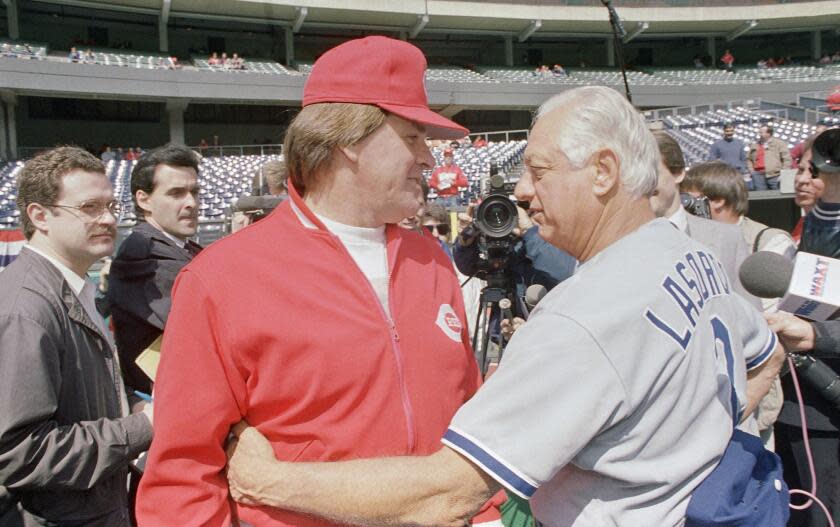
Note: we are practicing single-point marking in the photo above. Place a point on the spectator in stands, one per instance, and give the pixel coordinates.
(5, 49)
(223, 61)
(698, 62)
(89, 57)
(237, 62)
(833, 100)
(67, 430)
(825, 59)
(761, 64)
(213, 60)
(74, 55)
(137, 152)
(108, 155)
(558, 71)
(836, 57)
(448, 180)
(258, 320)
(119, 155)
(766, 159)
(727, 59)
(731, 151)
(202, 147)
(479, 142)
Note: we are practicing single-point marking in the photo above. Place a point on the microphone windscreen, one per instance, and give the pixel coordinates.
(253, 203)
(534, 294)
(766, 274)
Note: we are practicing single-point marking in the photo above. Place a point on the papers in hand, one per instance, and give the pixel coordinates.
(150, 358)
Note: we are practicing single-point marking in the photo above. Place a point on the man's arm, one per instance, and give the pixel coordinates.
(761, 378)
(198, 395)
(750, 159)
(786, 158)
(441, 489)
(35, 451)
(714, 152)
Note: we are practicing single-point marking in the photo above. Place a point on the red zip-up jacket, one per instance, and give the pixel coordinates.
(276, 324)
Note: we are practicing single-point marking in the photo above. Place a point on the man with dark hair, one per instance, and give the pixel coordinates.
(164, 187)
(66, 434)
(730, 150)
(767, 158)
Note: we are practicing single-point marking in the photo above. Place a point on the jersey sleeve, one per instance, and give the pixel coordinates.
(553, 392)
(758, 341)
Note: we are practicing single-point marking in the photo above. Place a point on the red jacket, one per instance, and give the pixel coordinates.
(277, 325)
(446, 180)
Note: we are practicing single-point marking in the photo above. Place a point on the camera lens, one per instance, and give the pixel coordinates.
(497, 216)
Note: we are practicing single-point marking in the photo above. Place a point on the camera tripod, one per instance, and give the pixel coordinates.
(497, 297)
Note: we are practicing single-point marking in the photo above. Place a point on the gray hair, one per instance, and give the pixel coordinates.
(604, 119)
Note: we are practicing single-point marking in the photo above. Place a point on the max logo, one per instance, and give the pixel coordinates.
(449, 322)
(818, 280)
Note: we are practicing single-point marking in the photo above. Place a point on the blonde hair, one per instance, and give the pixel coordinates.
(317, 131)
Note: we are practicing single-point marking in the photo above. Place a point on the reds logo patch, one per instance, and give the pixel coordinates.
(449, 322)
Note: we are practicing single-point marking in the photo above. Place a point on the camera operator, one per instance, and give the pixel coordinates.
(820, 340)
(532, 260)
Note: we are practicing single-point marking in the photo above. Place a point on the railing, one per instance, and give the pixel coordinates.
(650, 3)
(678, 111)
(509, 135)
(26, 152)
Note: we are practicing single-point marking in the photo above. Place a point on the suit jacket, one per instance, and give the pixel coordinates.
(65, 438)
(728, 244)
(139, 290)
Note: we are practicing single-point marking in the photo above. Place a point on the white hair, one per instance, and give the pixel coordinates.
(602, 118)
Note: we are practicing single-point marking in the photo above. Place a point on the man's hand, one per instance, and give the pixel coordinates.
(524, 220)
(248, 453)
(796, 334)
(508, 327)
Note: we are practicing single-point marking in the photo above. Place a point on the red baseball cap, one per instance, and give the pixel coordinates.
(381, 71)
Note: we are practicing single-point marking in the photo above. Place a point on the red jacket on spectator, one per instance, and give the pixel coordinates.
(448, 178)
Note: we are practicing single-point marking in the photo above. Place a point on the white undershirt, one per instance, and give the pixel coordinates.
(680, 219)
(366, 246)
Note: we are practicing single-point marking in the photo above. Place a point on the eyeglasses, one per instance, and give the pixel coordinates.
(441, 228)
(93, 210)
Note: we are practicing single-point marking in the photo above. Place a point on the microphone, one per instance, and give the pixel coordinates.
(614, 19)
(809, 286)
(802, 284)
(505, 305)
(257, 204)
(534, 294)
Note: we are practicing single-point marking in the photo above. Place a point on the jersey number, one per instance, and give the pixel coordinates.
(721, 334)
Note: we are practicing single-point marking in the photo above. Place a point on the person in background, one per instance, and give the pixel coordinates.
(731, 151)
(448, 180)
(767, 158)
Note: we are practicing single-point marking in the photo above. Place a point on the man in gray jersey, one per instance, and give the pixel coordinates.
(615, 399)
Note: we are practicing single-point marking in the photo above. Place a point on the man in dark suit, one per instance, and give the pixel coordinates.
(164, 186)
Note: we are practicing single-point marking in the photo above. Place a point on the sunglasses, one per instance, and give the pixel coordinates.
(441, 228)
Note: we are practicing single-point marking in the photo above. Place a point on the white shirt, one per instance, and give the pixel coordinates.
(680, 219)
(366, 246)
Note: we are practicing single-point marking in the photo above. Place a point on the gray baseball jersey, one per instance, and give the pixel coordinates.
(615, 399)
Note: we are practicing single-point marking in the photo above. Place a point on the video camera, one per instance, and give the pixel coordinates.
(826, 153)
(495, 219)
(696, 206)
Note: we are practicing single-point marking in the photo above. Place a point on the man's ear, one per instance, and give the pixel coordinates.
(718, 205)
(142, 199)
(38, 216)
(607, 172)
(350, 152)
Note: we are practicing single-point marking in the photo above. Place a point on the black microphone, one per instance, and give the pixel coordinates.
(822, 378)
(505, 305)
(766, 274)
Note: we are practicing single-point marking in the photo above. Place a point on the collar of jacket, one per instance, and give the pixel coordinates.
(393, 233)
(55, 282)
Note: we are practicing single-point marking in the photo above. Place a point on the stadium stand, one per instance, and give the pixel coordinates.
(250, 66)
(23, 50)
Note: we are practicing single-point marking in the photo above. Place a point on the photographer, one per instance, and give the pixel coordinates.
(820, 340)
(532, 260)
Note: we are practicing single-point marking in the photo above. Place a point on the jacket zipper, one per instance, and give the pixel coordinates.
(395, 339)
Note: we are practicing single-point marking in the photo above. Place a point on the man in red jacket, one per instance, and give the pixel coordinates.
(333, 331)
(448, 180)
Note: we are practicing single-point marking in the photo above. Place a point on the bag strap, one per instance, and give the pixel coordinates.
(756, 243)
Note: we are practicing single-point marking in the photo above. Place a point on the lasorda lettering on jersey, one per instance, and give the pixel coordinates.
(697, 277)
